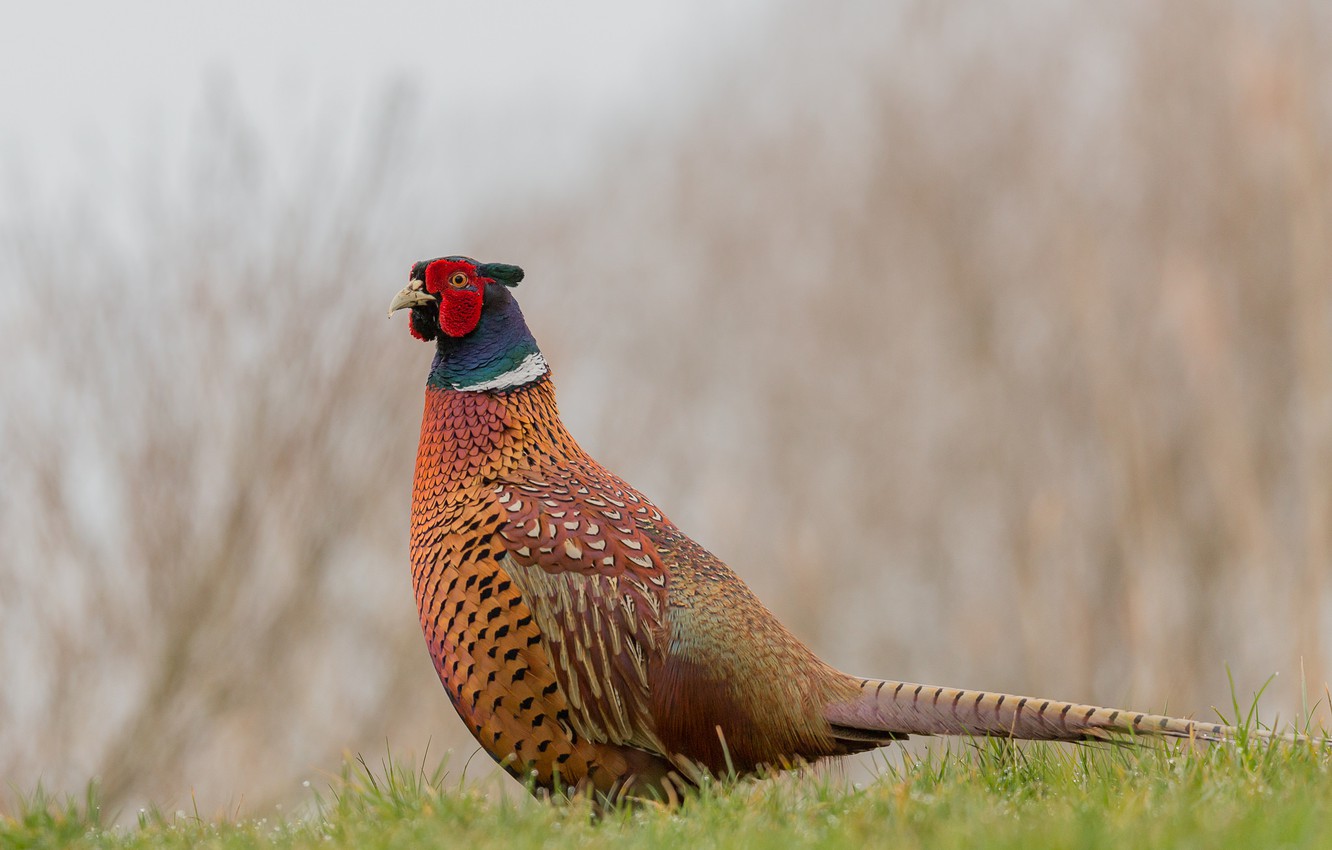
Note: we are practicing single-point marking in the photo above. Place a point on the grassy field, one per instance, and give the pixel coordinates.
(992, 794)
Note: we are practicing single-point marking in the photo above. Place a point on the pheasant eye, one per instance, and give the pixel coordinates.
(458, 281)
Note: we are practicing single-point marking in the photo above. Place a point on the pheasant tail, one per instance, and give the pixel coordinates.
(907, 708)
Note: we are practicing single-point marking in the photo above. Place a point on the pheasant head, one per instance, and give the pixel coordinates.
(447, 294)
(481, 339)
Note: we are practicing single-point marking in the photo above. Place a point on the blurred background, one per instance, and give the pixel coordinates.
(990, 343)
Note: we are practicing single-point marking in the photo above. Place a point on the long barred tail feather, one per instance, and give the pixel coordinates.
(888, 708)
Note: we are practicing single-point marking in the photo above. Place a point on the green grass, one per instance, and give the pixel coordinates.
(1251, 795)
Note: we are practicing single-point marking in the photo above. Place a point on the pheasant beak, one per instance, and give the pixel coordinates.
(412, 295)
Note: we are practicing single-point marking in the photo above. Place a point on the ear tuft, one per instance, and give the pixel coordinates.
(501, 272)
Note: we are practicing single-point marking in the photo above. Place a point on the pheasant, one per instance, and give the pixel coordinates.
(587, 642)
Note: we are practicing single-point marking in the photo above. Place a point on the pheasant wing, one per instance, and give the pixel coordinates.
(579, 549)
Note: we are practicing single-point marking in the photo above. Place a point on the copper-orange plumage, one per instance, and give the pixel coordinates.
(583, 638)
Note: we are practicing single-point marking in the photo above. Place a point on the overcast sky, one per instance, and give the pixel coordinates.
(84, 82)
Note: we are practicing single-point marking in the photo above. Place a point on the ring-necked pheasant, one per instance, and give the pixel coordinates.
(584, 639)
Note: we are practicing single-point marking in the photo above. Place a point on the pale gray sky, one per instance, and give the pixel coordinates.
(86, 82)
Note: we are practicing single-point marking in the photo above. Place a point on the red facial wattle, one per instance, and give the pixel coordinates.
(461, 295)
